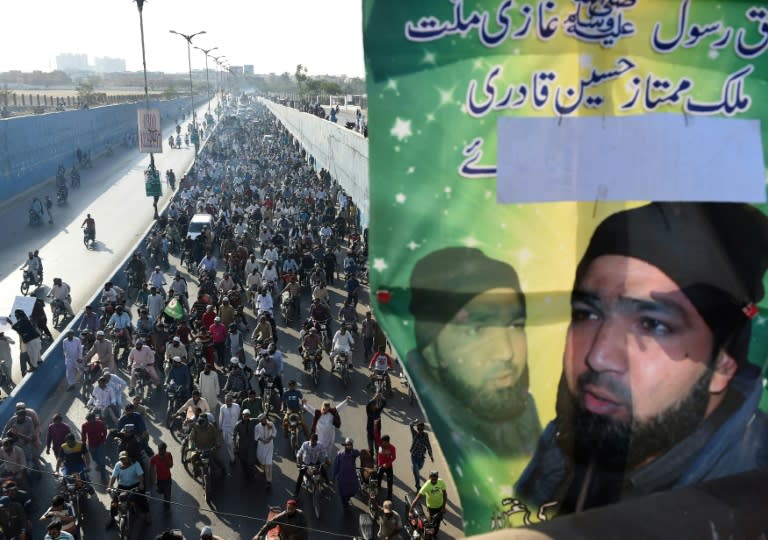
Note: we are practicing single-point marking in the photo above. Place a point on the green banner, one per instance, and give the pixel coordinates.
(571, 344)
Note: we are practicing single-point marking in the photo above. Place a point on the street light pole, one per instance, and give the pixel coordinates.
(188, 38)
(152, 168)
(207, 84)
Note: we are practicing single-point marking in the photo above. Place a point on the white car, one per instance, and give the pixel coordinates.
(197, 223)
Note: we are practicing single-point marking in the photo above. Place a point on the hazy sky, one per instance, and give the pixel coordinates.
(273, 35)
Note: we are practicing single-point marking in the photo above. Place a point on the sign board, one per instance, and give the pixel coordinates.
(150, 132)
(152, 185)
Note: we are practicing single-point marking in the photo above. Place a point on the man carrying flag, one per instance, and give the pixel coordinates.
(174, 309)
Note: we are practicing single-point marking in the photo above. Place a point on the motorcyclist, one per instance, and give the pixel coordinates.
(89, 224)
(189, 409)
(310, 453)
(342, 343)
(103, 400)
(60, 293)
(268, 366)
(320, 292)
(138, 266)
(142, 358)
(348, 316)
(112, 294)
(381, 363)
(237, 381)
(310, 345)
(291, 404)
(34, 265)
(121, 320)
(180, 373)
(206, 436)
(294, 293)
(73, 457)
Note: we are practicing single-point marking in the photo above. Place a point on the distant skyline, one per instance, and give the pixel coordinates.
(274, 36)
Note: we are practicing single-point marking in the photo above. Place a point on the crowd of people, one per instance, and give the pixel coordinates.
(281, 235)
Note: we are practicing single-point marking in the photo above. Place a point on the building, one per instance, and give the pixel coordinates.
(236, 70)
(248, 69)
(109, 65)
(72, 62)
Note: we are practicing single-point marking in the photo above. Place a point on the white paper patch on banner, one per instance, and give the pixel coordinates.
(25, 303)
(655, 157)
(150, 132)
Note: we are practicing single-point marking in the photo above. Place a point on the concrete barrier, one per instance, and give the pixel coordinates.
(32, 147)
(341, 151)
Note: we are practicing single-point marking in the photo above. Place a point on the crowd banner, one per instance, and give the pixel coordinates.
(568, 241)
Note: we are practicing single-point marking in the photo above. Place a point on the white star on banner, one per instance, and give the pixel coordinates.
(392, 85)
(379, 265)
(430, 117)
(413, 245)
(401, 129)
(446, 96)
(410, 170)
(429, 58)
(471, 242)
(400, 198)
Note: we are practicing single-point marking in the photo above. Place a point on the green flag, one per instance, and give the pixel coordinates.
(174, 309)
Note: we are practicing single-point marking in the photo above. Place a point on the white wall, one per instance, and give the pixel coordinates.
(341, 151)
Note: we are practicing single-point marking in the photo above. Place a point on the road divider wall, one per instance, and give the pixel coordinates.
(32, 147)
(341, 151)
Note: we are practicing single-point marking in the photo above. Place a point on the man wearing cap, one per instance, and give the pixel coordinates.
(13, 519)
(657, 391)
(219, 337)
(180, 374)
(226, 311)
(176, 348)
(324, 421)
(206, 533)
(265, 433)
(102, 349)
(292, 522)
(435, 496)
(128, 475)
(155, 303)
(229, 414)
(73, 357)
(245, 443)
(157, 280)
(345, 473)
(237, 381)
(22, 428)
(390, 522)
(142, 358)
(470, 365)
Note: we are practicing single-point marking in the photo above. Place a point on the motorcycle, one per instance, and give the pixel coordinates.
(267, 394)
(134, 282)
(88, 239)
(74, 178)
(59, 311)
(418, 524)
(312, 361)
(287, 306)
(143, 383)
(121, 341)
(324, 329)
(341, 364)
(5, 377)
(76, 491)
(173, 392)
(205, 469)
(61, 195)
(124, 511)
(408, 388)
(381, 383)
(369, 490)
(91, 373)
(312, 483)
(295, 433)
(29, 279)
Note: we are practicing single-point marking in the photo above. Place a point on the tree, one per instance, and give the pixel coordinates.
(301, 78)
(85, 92)
(170, 92)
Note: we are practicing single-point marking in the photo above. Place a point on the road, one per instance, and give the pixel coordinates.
(113, 193)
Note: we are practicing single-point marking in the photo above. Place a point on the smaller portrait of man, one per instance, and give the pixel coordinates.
(657, 391)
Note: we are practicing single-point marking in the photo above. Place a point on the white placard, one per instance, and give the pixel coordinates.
(25, 303)
(150, 132)
(655, 157)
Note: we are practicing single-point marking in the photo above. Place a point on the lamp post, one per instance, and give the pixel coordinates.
(152, 180)
(188, 38)
(217, 59)
(207, 84)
